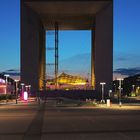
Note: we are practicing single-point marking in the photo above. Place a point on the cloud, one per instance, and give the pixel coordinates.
(122, 58)
(128, 71)
(126, 60)
(76, 65)
(12, 72)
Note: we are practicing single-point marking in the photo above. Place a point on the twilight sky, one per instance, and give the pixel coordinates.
(126, 36)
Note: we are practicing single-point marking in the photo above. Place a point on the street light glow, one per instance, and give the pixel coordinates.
(120, 79)
(6, 75)
(16, 80)
(102, 83)
(133, 86)
(22, 84)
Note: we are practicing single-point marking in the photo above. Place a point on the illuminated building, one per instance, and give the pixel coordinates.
(70, 79)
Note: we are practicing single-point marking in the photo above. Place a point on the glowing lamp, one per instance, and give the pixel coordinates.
(120, 79)
(25, 96)
(2, 81)
(6, 75)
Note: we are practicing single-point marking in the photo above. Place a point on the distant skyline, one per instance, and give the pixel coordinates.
(126, 36)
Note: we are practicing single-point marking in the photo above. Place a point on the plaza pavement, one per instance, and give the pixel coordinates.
(49, 121)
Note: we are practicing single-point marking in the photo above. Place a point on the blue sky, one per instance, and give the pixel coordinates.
(126, 33)
(71, 43)
(126, 36)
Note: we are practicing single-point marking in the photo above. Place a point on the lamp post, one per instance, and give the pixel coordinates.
(102, 85)
(115, 88)
(138, 90)
(133, 88)
(16, 81)
(22, 86)
(26, 87)
(120, 89)
(109, 93)
(6, 82)
(29, 90)
(22, 89)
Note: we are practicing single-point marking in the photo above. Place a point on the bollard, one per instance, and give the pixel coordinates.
(108, 102)
(120, 104)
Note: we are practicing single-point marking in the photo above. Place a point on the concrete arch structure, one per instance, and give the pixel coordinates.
(37, 16)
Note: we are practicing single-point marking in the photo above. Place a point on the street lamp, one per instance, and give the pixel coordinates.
(29, 90)
(120, 89)
(16, 81)
(109, 93)
(6, 82)
(26, 87)
(22, 89)
(133, 88)
(102, 84)
(115, 88)
(22, 86)
(138, 89)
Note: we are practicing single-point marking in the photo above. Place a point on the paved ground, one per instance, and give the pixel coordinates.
(48, 122)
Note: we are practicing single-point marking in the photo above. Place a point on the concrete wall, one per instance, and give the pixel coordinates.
(104, 48)
(32, 48)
